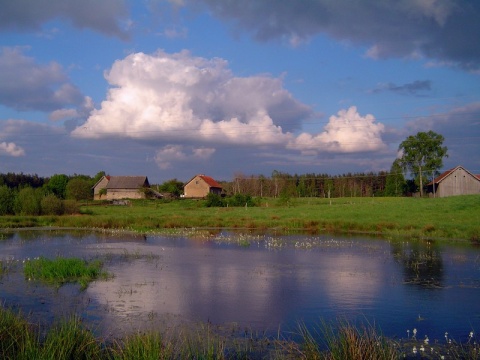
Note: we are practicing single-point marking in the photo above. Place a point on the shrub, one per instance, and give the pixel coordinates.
(28, 202)
(240, 200)
(7, 199)
(79, 189)
(51, 205)
(214, 200)
(71, 207)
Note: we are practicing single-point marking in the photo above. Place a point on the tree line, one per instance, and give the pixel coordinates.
(422, 156)
(281, 184)
(22, 194)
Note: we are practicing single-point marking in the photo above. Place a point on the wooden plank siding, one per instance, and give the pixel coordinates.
(456, 181)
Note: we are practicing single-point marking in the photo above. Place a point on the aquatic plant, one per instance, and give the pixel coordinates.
(6, 266)
(142, 346)
(63, 270)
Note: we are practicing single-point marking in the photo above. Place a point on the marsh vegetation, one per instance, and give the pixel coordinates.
(71, 339)
(454, 218)
(61, 270)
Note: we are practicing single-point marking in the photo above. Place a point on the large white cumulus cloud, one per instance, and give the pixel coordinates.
(174, 97)
(190, 106)
(346, 133)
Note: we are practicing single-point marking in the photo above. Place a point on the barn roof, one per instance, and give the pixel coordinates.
(209, 180)
(445, 174)
(127, 182)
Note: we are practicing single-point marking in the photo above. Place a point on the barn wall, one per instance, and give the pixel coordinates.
(197, 188)
(459, 182)
(118, 194)
(102, 184)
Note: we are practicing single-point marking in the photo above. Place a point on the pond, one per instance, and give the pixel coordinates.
(264, 283)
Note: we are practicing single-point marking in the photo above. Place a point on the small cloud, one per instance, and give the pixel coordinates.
(48, 33)
(179, 153)
(203, 153)
(11, 149)
(63, 114)
(175, 33)
(414, 88)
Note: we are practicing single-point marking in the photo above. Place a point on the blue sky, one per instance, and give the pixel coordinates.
(173, 88)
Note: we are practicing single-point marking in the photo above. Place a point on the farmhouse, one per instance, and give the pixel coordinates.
(120, 187)
(456, 181)
(200, 186)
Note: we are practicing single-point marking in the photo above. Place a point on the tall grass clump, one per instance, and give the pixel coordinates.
(67, 340)
(63, 270)
(70, 340)
(17, 338)
(142, 346)
(346, 342)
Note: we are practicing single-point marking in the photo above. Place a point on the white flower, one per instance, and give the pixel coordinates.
(414, 349)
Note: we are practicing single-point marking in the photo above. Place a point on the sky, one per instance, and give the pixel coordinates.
(174, 88)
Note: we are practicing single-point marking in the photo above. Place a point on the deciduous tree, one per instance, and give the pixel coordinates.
(58, 185)
(423, 153)
(395, 183)
(79, 189)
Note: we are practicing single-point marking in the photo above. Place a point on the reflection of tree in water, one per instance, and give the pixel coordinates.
(422, 265)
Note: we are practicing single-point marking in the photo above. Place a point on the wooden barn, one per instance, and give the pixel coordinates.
(200, 186)
(456, 181)
(120, 187)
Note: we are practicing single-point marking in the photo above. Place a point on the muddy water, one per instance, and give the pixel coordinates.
(261, 283)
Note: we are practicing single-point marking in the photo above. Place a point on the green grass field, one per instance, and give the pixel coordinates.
(454, 218)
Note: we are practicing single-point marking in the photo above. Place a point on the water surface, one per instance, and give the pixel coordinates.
(262, 283)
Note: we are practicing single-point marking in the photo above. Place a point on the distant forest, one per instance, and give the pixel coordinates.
(279, 184)
(322, 185)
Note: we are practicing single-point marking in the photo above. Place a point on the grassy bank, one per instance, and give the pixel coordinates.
(441, 218)
(70, 339)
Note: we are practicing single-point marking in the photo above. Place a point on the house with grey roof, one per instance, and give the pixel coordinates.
(121, 187)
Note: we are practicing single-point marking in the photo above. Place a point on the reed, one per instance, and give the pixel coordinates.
(63, 270)
(16, 335)
(70, 339)
(142, 346)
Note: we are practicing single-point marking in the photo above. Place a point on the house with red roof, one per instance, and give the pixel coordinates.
(200, 186)
(456, 181)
